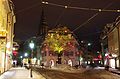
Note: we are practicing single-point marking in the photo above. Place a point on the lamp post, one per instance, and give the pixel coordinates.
(31, 45)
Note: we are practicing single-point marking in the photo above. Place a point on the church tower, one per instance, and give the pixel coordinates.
(41, 34)
(43, 27)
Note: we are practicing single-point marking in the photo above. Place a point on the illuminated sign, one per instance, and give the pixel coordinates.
(2, 33)
(2, 44)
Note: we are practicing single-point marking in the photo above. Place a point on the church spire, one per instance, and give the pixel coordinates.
(43, 27)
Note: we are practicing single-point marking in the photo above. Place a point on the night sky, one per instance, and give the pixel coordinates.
(28, 14)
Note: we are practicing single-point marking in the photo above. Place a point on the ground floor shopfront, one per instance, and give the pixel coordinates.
(112, 62)
(5, 55)
(5, 62)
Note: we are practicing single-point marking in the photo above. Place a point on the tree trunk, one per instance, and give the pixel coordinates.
(59, 59)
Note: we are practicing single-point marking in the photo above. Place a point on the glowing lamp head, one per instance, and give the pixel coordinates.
(89, 44)
(31, 45)
(8, 45)
(26, 54)
(21, 56)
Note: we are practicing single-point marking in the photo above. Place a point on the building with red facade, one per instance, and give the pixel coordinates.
(60, 44)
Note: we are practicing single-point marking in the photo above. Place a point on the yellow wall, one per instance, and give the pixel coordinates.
(6, 35)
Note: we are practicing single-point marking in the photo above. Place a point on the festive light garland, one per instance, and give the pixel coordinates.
(81, 8)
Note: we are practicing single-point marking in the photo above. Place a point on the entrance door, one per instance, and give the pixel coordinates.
(70, 62)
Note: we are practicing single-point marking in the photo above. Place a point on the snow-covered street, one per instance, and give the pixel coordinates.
(63, 73)
(77, 74)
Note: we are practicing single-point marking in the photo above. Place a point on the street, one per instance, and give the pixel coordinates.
(88, 74)
(41, 73)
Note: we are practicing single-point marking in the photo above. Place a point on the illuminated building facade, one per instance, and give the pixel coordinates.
(48, 49)
(7, 20)
(112, 56)
(60, 47)
(114, 44)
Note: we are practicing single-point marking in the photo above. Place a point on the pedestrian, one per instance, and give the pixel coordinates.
(42, 65)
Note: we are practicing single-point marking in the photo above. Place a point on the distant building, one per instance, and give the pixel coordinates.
(7, 20)
(15, 50)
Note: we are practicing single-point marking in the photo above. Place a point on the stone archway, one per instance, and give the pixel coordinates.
(70, 62)
(52, 63)
(65, 61)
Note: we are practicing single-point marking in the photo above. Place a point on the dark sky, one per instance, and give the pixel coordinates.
(28, 14)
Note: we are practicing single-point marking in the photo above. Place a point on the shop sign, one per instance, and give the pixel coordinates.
(2, 33)
(2, 45)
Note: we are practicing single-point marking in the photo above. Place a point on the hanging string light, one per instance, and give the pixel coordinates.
(88, 20)
(81, 8)
(66, 6)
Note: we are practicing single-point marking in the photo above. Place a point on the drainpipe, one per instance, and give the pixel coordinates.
(118, 45)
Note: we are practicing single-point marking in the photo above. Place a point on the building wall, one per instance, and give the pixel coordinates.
(113, 42)
(7, 20)
(64, 59)
(119, 37)
(114, 45)
(118, 60)
(60, 41)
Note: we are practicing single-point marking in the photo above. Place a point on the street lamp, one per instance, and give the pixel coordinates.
(31, 45)
(21, 57)
(89, 44)
(26, 54)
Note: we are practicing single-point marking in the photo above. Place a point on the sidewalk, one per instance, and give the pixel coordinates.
(116, 71)
(20, 73)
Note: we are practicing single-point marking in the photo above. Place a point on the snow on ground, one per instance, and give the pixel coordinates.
(67, 68)
(18, 73)
(67, 72)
